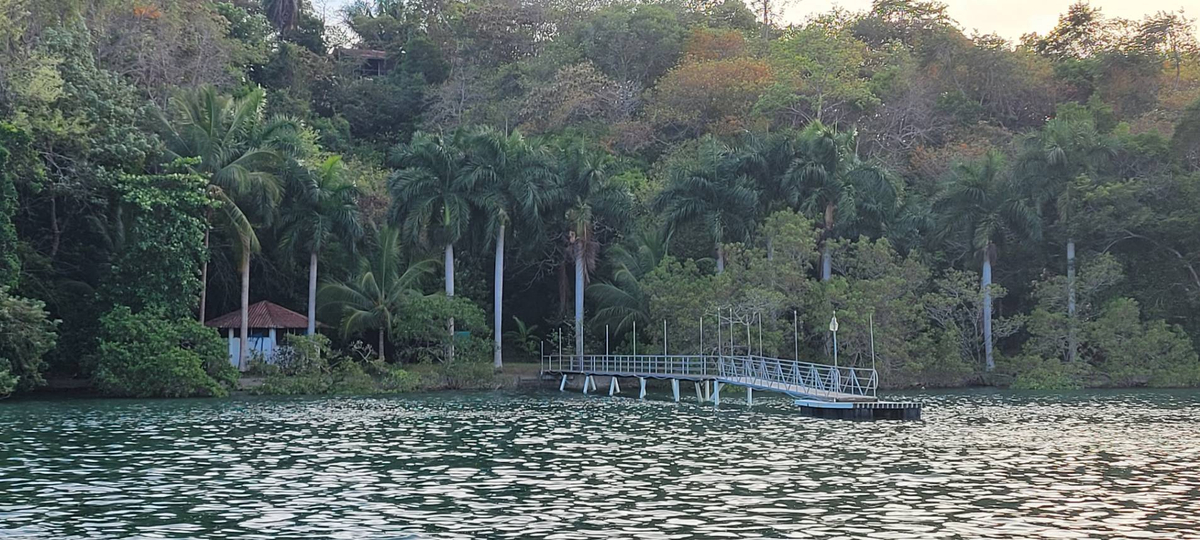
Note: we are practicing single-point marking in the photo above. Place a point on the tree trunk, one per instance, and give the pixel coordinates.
(498, 344)
(720, 258)
(562, 288)
(450, 294)
(579, 301)
(826, 235)
(244, 346)
(1072, 336)
(382, 335)
(312, 293)
(204, 273)
(989, 360)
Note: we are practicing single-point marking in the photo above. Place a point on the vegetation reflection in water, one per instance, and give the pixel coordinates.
(983, 465)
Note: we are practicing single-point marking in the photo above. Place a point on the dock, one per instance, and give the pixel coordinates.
(819, 390)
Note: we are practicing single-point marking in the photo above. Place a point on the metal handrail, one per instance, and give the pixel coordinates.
(803, 377)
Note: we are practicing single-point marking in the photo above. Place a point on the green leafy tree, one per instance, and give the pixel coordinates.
(982, 209)
(150, 354)
(621, 300)
(323, 210)
(379, 292)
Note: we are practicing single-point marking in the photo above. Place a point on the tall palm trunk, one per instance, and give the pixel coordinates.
(497, 344)
(579, 301)
(562, 287)
(986, 285)
(1072, 337)
(244, 346)
(720, 258)
(826, 235)
(204, 273)
(312, 293)
(450, 294)
(382, 355)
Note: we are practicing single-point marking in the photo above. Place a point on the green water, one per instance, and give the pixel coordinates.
(550, 465)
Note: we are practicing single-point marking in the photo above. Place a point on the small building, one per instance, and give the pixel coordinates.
(267, 322)
(366, 63)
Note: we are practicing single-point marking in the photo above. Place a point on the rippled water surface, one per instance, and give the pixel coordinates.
(549, 465)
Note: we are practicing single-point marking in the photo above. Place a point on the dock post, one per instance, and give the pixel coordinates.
(642, 391)
(587, 379)
(562, 386)
(675, 389)
(612, 386)
(617, 382)
(749, 397)
(699, 394)
(707, 390)
(716, 395)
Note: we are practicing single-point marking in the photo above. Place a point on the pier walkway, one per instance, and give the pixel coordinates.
(820, 389)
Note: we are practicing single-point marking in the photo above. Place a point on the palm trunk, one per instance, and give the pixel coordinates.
(986, 285)
(497, 344)
(827, 234)
(450, 294)
(1072, 337)
(312, 293)
(204, 273)
(244, 346)
(562, 288)
(382, 355)
(720, 258)
(579, 301)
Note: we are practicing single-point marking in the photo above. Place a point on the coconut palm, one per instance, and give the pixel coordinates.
(432, 199)
(512, 176)
(1065, 150)
(283, 14)
(983, 209)
(230, 143)
(585, 205)
(708, 189)
(322, 209)
(378, 292)
(828, 178)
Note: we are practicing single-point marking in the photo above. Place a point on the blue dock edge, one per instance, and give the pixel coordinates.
(858, 410)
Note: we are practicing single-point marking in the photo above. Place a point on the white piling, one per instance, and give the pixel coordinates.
(675, 389)
(642, 389)
(612, 386)
(749, 397)
(716, 395)
(562, 386)
(699, 394)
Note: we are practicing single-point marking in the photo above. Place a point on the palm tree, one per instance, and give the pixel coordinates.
(586, 204)
(283, 14)
(433, 199)
(230, 143)
(829, 178)
(1065, 150)
(323, 209)
(378, 292)
(981, 209)
(512, 175)
(622, 301)
(707, 188)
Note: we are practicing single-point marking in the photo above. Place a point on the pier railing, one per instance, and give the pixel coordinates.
(789, 376)
(804, 376)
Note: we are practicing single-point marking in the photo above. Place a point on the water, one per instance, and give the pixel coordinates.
(981, 465)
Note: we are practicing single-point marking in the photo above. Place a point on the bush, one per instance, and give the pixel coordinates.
(308, 365)
(149, 355)
(1031, 372)
(26, 334)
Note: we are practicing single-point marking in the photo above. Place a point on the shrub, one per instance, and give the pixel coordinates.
(26, 334)
(148, 355)
(308, 365)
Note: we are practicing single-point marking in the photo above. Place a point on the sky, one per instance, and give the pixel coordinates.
(1009, 18)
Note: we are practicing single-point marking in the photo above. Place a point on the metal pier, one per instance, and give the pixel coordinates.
(820, 390)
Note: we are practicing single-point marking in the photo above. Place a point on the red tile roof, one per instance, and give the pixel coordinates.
(262, 315)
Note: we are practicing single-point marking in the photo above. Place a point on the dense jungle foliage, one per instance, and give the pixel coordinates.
(1002, 213)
